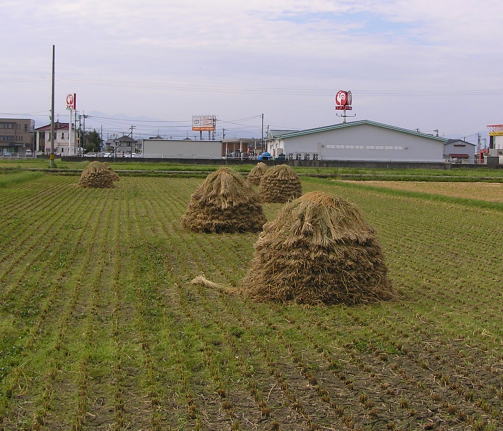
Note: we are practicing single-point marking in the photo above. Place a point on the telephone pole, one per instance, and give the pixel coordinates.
(84, 116)
(262, 140)
(132, 129)
(52, 164)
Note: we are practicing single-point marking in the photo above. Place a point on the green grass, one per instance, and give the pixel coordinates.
(100, 329)
(392, 174)
(13, 178)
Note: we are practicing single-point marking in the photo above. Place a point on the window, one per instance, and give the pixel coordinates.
(365, 147)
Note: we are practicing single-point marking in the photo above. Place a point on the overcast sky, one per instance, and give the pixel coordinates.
(412, 63)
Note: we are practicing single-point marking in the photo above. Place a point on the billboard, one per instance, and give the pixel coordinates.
(344, 99)
(71, 101)
(495, 129)
(204, 123)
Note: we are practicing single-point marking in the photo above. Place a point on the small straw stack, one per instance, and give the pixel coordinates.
(224, 202)
(98, 175)
(256, 173)
(279, 184)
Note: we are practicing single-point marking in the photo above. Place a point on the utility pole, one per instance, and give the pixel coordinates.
(262, 140)
(78, 132)
(84, 116)
(52, 164)
(225, 145)
(132, 129)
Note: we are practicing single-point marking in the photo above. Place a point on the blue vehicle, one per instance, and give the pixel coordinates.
(264, 156)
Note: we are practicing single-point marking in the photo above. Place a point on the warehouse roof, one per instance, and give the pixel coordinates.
(360, 123)
(274, 133)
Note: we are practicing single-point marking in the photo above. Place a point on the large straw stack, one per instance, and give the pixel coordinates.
(318, 250)
(224, 202)
(255, 175)
(279, 184)
(98, 175)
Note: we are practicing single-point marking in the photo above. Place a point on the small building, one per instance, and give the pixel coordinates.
(359, 141)
(181, 149)
(123, 146)
(241, 148)
(64, 145)
(16, 136)
(459, 151)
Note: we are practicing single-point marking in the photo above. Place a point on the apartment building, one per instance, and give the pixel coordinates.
(16, 136)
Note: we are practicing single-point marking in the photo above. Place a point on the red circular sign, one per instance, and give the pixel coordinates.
(341, 98)
(70, 101)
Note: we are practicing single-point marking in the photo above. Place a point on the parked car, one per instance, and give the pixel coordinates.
(264, 156)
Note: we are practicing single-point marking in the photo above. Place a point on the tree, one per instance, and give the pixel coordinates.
(92, 141)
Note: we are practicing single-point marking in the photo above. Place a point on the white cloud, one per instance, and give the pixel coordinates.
(250, 56)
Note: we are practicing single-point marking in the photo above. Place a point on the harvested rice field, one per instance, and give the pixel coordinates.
(100, 328)
(492, 192)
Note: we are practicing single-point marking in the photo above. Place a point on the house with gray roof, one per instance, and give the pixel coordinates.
(459, 151)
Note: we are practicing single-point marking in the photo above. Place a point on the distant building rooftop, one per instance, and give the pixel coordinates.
(57, 126)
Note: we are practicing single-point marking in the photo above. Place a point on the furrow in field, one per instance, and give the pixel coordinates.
(173, 392)
(15, 199)
(28, 211)
(132, 407)
(28, 270)
(54, 322)
(27, 250)
(70, 405)
(37, 305)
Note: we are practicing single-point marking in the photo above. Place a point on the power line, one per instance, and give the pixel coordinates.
(140, 121)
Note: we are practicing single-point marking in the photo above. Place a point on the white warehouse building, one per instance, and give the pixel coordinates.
(181, 149)
(359, 141)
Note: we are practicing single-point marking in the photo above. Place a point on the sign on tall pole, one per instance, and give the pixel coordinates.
(71, 105)
(343, 101)
(52, 164)
(204, 123)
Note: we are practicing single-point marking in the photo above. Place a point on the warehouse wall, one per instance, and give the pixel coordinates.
(171, 149)
(366, 142)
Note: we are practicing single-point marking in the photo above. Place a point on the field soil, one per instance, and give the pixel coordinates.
(492, 192)
(100, 328)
